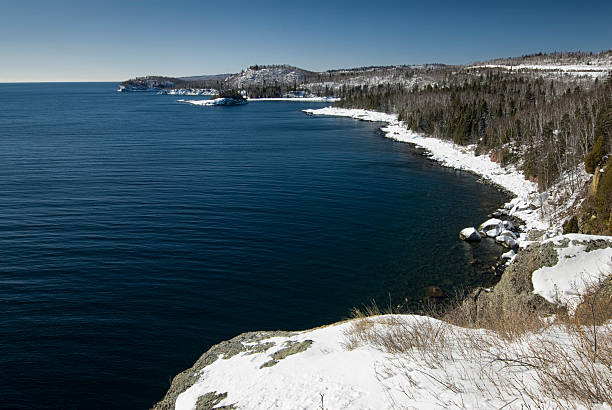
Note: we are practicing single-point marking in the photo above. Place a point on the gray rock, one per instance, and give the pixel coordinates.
(211, 400)
(491, 227)
(291, 347)
(245, 342)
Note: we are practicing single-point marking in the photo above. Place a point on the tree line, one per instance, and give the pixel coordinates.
(546, 126)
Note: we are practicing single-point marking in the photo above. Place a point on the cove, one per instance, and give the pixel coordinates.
(136, 232)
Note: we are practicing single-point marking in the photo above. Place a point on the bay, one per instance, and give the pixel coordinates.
(136, 231)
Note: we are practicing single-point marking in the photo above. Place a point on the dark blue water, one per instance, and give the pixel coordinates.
(135, 232)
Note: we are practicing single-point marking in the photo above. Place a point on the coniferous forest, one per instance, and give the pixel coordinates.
(546, 126)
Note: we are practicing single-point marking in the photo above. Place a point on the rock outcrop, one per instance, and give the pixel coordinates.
(245, 342)
(491, 228)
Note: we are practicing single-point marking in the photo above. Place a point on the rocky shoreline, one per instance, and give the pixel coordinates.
(280, 368)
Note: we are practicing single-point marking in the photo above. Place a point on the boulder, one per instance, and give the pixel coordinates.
(469, 235)
(491, 228)
(517, 204)
(489, 223)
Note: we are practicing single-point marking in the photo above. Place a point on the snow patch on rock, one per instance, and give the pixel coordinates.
(583, 261)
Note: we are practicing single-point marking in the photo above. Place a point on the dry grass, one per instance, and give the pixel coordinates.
(578, 373)
(508, 353)
(509, 318)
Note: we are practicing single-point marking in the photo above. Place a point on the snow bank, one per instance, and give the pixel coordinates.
(358, 114)
(335, 372)
(346, 378)
(578, 267)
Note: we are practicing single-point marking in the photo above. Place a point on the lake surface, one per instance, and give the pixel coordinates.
(136, 231)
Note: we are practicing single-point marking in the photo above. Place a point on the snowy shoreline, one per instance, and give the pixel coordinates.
(566, 277)
(527, 199)
(444, 152)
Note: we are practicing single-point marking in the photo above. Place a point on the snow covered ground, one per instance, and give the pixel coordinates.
(591, 70)
(347, 378)
(371, 80)
(282, 74)
(335, 369)
(298, 99)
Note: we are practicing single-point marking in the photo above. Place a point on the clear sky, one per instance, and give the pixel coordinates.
(56, 40)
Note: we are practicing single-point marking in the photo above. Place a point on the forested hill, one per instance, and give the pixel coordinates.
(550, 124)
(276, 80)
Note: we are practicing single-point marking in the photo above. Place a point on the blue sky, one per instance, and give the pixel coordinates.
(57, 40)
